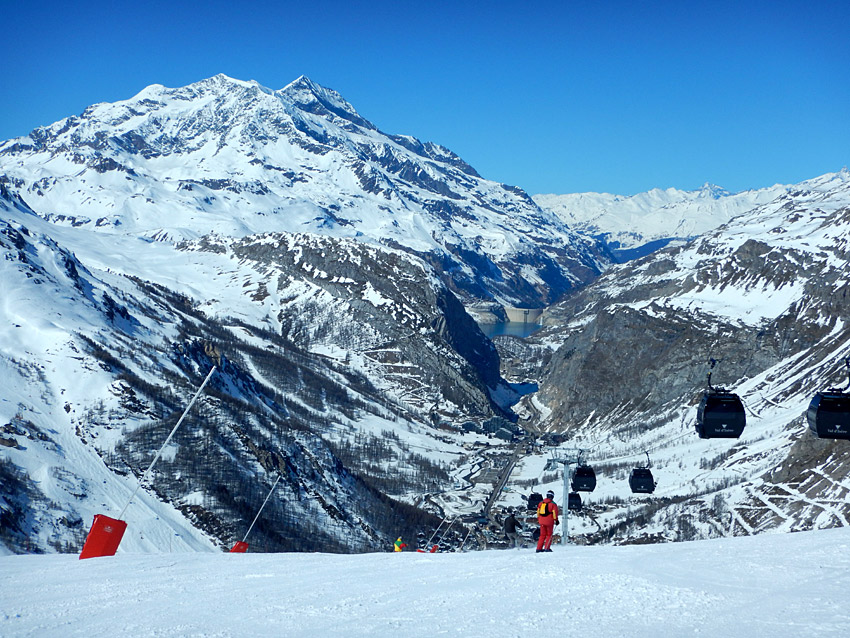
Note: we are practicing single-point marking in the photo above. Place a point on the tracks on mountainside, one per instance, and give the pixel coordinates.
(504, 475)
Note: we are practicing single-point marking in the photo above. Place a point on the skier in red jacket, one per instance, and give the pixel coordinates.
(547, 516)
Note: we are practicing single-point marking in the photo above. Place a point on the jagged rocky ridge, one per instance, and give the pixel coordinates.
(236, 158)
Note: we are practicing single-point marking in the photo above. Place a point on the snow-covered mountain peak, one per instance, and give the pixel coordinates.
(319, 100)
(638, 224)
(233, 157)
(713, 191)
(285, 198)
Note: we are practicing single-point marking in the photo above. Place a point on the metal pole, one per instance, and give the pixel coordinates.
(436, 530)
(447, 530)
(568, 459)
(261, 508)
(465, 538)
(565, 539)
(156, 458)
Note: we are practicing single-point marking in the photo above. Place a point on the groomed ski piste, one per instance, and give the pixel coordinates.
(769, 585)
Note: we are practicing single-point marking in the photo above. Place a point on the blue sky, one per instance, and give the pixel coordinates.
(561, 97)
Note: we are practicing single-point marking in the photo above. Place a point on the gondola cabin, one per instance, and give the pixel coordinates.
(534, 499)
(720, 415)
(829, 415)
(641, 481)
(584, 479)
(574, 502)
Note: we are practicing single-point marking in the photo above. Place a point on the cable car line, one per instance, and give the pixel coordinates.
(721, 413)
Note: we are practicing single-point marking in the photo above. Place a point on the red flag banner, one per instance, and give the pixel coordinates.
(105, 536)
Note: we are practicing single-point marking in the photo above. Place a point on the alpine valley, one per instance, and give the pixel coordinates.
(335, 276)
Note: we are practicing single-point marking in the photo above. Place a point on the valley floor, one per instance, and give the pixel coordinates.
(769, 585)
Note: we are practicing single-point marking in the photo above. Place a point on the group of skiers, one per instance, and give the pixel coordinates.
(547, 518)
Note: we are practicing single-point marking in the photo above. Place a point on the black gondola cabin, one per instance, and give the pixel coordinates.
(720, 415)
(641, 481)
(829, 415)
(534, 499)
(574, 501)
(584, 479)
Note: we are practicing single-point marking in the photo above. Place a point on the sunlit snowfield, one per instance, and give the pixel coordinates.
(770, 585)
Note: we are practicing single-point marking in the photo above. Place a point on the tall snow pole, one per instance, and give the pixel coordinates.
(446, 531)
(167, 441)
(465, 538)
(436, 530)
(242, 546)
(106, 532)
(565, 538)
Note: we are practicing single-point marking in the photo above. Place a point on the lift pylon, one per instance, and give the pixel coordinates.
(566, 458)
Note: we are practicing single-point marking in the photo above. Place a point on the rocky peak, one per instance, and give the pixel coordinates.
(713, 191)
(318, 100)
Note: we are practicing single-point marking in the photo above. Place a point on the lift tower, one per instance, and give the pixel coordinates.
(565, 457)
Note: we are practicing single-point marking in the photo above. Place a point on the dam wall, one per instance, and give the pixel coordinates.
(523, 315)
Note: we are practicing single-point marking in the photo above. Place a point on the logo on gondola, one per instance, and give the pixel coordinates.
(107, 529)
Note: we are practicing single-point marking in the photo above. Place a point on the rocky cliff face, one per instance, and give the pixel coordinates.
(763, 288)
(384, 307)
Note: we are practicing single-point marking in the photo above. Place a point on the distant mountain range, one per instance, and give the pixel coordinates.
(634, 226)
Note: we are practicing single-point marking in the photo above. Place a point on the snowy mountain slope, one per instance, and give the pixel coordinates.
(99, 362)
(235, 158)
(636, 225)
(397, 315)
(768, 296)
(773, 585)
(778, 271)
(47, 294)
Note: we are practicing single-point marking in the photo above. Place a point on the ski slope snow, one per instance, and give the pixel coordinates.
(771, 585)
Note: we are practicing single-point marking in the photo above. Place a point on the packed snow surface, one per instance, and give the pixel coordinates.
(769, 585)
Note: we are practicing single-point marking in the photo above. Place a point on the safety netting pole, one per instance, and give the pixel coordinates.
(241, 546)
(433, 535)
(106, 533)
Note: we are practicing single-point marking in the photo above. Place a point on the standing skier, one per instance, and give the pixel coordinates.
(547, 516)
(511, 525)
(399, 545)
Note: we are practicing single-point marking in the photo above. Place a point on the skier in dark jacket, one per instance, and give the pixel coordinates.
(511, 526)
